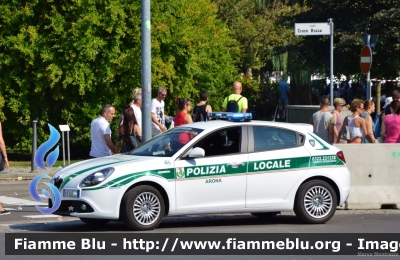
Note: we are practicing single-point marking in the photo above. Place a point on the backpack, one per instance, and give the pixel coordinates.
(197, 115)
(377, 128)
(232, 105)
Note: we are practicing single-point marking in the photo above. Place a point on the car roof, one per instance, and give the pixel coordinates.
(215, 124)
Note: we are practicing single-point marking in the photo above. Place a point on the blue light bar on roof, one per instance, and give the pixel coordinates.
(235, 117)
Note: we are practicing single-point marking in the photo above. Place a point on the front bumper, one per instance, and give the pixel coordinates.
(71, 206)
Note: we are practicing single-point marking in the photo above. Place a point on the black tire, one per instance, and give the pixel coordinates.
(315, 202)
(147, 199)
(94, 221)
(265, 214)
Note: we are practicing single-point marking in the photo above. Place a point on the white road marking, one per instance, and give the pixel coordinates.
(19, 202)
(42, 216)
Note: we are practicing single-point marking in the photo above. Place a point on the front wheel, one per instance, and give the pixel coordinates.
(142, 208)
(315, 202)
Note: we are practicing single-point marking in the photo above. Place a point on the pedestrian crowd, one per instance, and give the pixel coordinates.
(130, 124)
(359, 127)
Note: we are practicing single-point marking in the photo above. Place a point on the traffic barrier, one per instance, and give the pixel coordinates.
(304, 113)
(375, 175)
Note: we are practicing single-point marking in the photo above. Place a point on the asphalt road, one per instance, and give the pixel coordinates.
(25, 218)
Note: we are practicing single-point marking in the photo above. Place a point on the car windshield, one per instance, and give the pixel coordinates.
(168, 143)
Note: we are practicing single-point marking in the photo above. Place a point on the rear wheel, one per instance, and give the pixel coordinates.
(95, 221)
(265, 214)
(315, 202)
(142, 208)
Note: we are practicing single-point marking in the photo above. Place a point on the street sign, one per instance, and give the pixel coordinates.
(312, 29)
(366, 59)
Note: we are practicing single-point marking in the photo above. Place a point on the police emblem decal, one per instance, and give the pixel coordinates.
(180, 173)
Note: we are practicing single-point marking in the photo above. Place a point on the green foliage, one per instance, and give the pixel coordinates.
(191, 51)
(252, 25)
(261, 96)
(62, 61)
(251, 89)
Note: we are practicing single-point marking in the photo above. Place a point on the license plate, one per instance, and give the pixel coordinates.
(71, 193)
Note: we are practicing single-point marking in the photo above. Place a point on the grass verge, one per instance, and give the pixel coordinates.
(28, 163)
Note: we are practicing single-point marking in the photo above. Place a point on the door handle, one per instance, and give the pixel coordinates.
(235, 164)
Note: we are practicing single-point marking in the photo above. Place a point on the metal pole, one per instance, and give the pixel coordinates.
(331, 70)
(68, 146)
(368, 87)
(34, 147)
(63, 145)
(378, 98)
(146, 71)
(368, 97)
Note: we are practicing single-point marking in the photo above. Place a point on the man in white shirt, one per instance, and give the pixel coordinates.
(100, 133)
(157, 113)
(136, 106)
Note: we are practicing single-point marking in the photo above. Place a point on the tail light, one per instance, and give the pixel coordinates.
(340, 155)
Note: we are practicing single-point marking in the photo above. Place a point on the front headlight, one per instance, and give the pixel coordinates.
(96, 177)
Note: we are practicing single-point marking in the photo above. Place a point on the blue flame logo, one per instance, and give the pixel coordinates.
(55, 194)
(50, 160)
(45, 147)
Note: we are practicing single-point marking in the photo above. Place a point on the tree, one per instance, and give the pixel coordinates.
(265, 35)
(62, 61)
(192, 51)
(352, 19)
(252, 24)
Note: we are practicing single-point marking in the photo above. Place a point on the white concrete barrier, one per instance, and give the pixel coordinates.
(375, 175)
(303, 113)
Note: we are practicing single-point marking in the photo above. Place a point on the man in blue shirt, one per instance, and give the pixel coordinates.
(283, 100)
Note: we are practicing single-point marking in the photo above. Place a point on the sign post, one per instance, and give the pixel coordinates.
(370, 42)
(34, 147)
(65, 128)
(146, 70)
(366, 59)
(313, 29)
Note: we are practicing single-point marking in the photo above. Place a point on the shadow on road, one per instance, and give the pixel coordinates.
(168, 223)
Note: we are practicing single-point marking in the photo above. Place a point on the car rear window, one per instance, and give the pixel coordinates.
(271, 138)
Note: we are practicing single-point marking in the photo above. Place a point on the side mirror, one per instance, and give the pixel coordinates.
(197, 152)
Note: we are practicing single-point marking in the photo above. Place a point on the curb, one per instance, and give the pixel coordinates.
(12, 176)
(20, 176)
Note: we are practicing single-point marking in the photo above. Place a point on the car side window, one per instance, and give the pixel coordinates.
(271, 138)
(222, 142)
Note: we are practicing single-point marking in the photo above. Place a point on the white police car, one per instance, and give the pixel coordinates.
(218, 166)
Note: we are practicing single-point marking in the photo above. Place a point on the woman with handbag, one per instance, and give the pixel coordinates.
(128, 132)
(356, 125)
